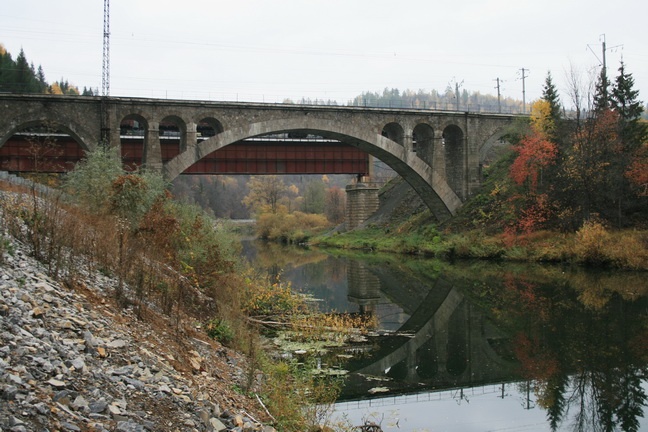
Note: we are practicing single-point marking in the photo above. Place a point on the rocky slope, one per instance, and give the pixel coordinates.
(70, 360)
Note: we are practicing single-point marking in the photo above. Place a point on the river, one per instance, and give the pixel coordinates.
(480, 346)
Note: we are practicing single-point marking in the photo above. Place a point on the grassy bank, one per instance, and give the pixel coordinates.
(592, 245)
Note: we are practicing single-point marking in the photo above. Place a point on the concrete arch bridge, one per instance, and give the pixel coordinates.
(439, 153)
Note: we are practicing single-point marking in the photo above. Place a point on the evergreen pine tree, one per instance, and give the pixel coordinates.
(633, 133)
(23, 74)
(7, 70)
(550, 94)
(624, 101)
(42, 83)
(601, 100)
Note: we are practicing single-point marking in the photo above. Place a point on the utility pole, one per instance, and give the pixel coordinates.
(499, 102)
(603, 59)
(457, 92)
(524, 90)
(105, 76)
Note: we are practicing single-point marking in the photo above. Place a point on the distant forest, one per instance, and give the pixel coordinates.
(433, 99)
(21, 76)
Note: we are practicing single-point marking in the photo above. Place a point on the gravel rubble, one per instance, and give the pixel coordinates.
(72, 361)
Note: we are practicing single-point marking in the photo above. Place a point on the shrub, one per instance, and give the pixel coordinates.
(590, 243)
(290, 227)
(90, 181)
(263, 297)
(220, 330)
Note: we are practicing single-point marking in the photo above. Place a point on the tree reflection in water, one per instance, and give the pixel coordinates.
(586, 358)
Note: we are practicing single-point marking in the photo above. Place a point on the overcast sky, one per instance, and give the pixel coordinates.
(256, 50)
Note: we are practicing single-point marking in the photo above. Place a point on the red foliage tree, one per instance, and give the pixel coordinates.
(535, 153)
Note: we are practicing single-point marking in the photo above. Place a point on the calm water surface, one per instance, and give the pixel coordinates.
(480, 346)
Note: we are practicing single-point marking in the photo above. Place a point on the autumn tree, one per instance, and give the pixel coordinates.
(265, 194)
(63, 87)
(535, 150)
(535, 153)
(587, 177)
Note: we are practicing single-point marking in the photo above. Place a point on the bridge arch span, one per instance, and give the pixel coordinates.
(488, 150)
(432, 187)
(61, 123)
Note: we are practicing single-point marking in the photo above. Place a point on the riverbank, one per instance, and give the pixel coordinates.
(593, 245)
(72, 360)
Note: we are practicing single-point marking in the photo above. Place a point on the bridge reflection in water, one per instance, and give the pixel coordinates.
(446, 342)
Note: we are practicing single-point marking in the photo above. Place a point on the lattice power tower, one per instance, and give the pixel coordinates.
(105, 76)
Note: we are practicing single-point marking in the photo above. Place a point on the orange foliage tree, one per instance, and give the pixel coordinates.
(637, 172)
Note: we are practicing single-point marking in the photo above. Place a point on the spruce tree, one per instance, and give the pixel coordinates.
(601, 100)
(7, 70)
(23, 74)
(550, 94)
(42, 82)
(633, 133)
(624, 100)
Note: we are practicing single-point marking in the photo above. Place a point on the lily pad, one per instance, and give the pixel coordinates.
(378, 390)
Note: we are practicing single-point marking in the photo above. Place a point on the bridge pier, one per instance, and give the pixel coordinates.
(364, 286)
(191, 137)
(152, 149)
(362, 202)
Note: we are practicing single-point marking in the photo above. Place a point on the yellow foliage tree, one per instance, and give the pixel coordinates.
(56, 89)
(265, 193)
(541, 120)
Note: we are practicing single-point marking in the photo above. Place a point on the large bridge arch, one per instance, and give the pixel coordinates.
(432, 188)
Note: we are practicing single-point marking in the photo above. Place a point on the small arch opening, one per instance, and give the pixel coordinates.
(394, 132)
(423, 142)
(207, 128)
(133, 134)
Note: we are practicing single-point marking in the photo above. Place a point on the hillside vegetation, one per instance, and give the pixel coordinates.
(570, 190)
